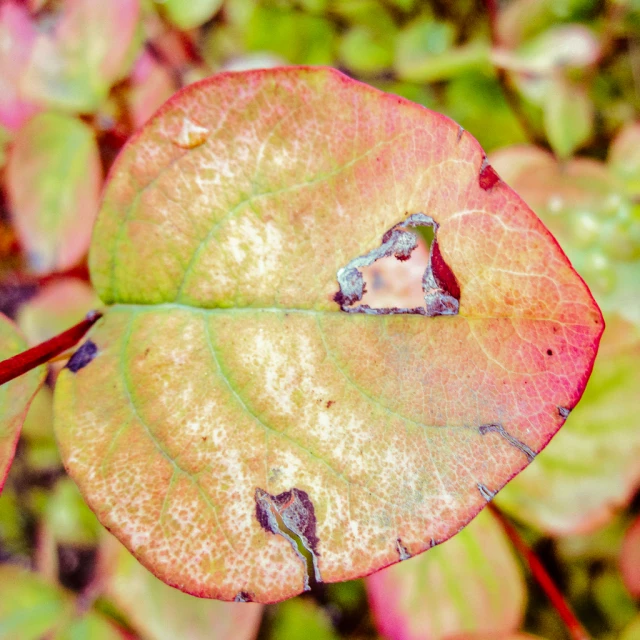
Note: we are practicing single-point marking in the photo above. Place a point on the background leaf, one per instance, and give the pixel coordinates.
(15, 396)
(54, 179)
(73, 65)
(470, 585)
(568, 117)
(630, 559)
(187, 15)
(159, 612)
(31, 609)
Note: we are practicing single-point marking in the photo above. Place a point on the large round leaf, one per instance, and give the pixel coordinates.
(238, 419)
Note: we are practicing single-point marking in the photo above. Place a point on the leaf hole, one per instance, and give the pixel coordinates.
(406, 274)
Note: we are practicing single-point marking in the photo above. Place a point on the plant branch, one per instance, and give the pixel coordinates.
(576, 630)
(22, 362)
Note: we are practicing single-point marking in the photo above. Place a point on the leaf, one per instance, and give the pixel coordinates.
(522, 19)
(74, 64)
(587, 209)
(57, 305)
(632, 631)
(31, 609)
(630, 559)
(151, 84)
(472, 584)
(41, 451)
(15, 396)
(238, 421)
(591, 468)
(560, 47)
(624, 157)
(568, 117)
(188, 15)
(17, 34)
(54, 178)
(298, 618)
(159, 612)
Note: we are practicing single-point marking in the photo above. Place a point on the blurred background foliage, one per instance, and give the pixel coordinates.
(550, 88)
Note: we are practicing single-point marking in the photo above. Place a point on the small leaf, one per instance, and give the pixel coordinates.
(151, 84)
(68, 518)
(631, 631)
(15, 396)
(630, 559)
(17, 34)
(568, 117)
(158, 612)
(246, 427)
(561, 47)
(471, 584)
(624, 157)
(74, 64)
(188, 15)
(298, 618)
(54, 178)
(31, 609)
(57, 305)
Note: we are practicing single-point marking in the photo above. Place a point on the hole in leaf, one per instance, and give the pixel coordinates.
(376, 278)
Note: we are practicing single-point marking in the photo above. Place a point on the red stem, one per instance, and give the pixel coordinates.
(576, 630)
(21, 363)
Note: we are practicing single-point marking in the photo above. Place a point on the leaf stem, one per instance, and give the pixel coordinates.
(22, 362)
(576, 630)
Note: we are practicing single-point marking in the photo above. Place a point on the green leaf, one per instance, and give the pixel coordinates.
(298, 37)
(188, 15)
(236, 419)
(31, 609)
(68, 518)
(15, 396)
(476, 101)
(624, 157)
(366, 51)
(299, 618)
(568, 117)
(54, 179)
(631, 631)
(158, 612)
(471, 584)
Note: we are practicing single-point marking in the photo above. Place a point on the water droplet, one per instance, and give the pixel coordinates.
(191, 134)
